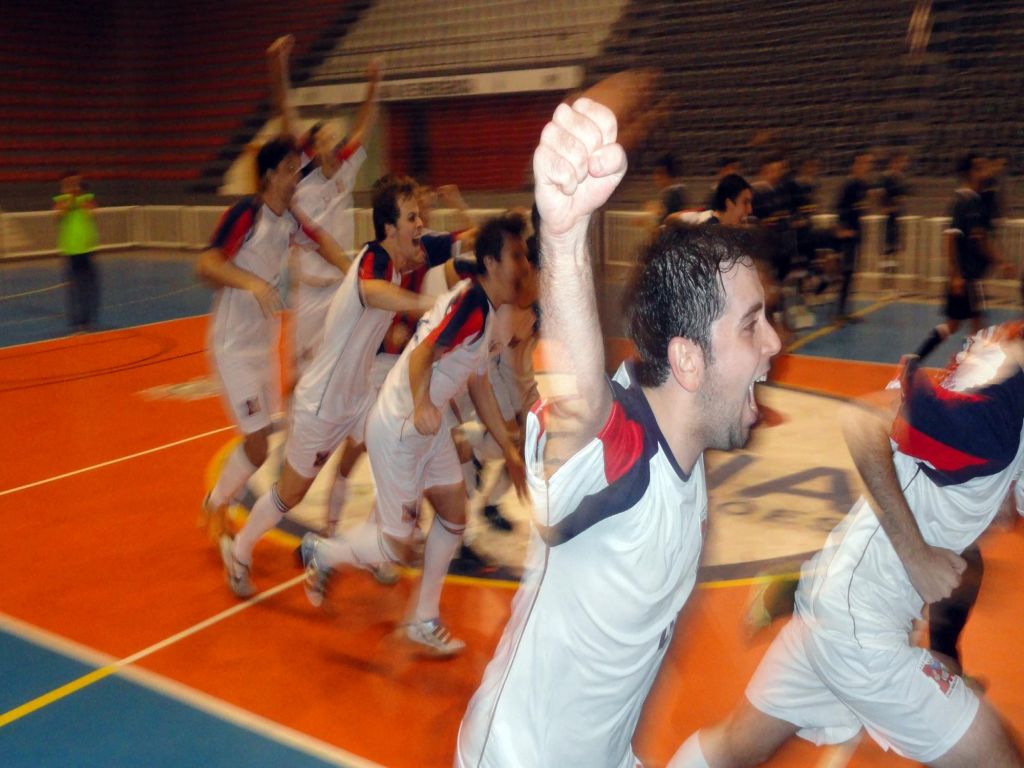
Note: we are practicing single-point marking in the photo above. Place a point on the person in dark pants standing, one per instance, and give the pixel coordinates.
(894, 198)
(77, 239)
(850, 207)
(968, 253)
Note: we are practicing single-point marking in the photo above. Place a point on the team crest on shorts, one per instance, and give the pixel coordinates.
(321, 458)
(252, 406)
(939, 674)
(410, 513)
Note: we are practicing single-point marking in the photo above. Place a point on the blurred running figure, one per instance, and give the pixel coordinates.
(324, 194)
(408, 435)
(334, 395)
(244, 262)
(616, 471)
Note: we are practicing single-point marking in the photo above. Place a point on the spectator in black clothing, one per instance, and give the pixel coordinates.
(991, 194)
(894, 197)
(850, 207)
(728, 165)
(967, 253)
(671, 192)
(771, 209)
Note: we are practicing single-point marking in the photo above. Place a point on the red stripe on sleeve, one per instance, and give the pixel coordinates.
(918, 445)
(346, 151)
(236, 235)
(456, 327)
(623, 443)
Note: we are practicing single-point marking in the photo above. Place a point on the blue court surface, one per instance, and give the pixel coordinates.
(116, 722)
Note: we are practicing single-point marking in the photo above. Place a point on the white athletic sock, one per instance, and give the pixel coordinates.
(233, 476)
(266, 513)
(442, 544)
(339, 493)
(362, 547)
(689, 755)
(497, 484)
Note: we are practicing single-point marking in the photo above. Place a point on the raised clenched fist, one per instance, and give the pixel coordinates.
(577, 165)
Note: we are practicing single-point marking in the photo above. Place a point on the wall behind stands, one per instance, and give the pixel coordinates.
(483, 142)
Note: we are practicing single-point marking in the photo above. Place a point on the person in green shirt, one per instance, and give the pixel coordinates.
(77, 239)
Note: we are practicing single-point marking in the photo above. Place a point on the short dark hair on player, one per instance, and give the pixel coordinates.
(490, 238)
(678, 291)
(388, 192)
(729, 188)
(965, 164)
(668, 163)
(272, 153)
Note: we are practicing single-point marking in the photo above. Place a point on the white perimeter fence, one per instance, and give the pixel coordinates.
(919, 266)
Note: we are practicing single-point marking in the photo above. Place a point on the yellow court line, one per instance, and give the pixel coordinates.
(56, 694)
(99, 674)
(830, 328)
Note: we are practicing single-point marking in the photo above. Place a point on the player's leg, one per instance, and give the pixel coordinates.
(443, 541)
(747, 737)
(384, 536)
(986, 742)
(350, 453)
(785, 697)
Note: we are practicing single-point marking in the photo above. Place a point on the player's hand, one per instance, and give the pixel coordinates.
(956, 285)
(267, 297)
(577, 165)
(426, 418)
(935, 573)
(516, 472)
(449, 195)
(281, 48)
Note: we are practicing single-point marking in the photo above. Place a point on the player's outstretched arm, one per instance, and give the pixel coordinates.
(933, 571)
(367, 114)
(278, 55)
(327, 246)
(482, 394)
(576, 167)
(217, 270)
(382, 294)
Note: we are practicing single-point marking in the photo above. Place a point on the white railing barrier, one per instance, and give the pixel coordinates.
(920, 265)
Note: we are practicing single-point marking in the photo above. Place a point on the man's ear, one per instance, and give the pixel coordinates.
(686, 363)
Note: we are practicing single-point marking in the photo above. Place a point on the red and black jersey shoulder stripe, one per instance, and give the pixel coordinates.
(235, 225)
(345, 150)
(376, 263)
(628, 445)
(960, 435)
(464, 321)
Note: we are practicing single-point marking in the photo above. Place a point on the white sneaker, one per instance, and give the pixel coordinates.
(236, 573)
(317, 575)
(435, 636)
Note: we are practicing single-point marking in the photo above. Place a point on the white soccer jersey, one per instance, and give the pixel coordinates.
(613, 557)
(328, 204)
(958, 449)
(459, 325)
(256, 239)
(336, 385)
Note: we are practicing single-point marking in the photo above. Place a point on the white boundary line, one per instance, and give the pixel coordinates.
(185, 694)
(102, 464)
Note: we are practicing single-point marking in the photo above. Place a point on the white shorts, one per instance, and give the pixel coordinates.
(311, 305)
(250, 389)
(312, 440)
(905, 699)
(404, 463)
(382, 365)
